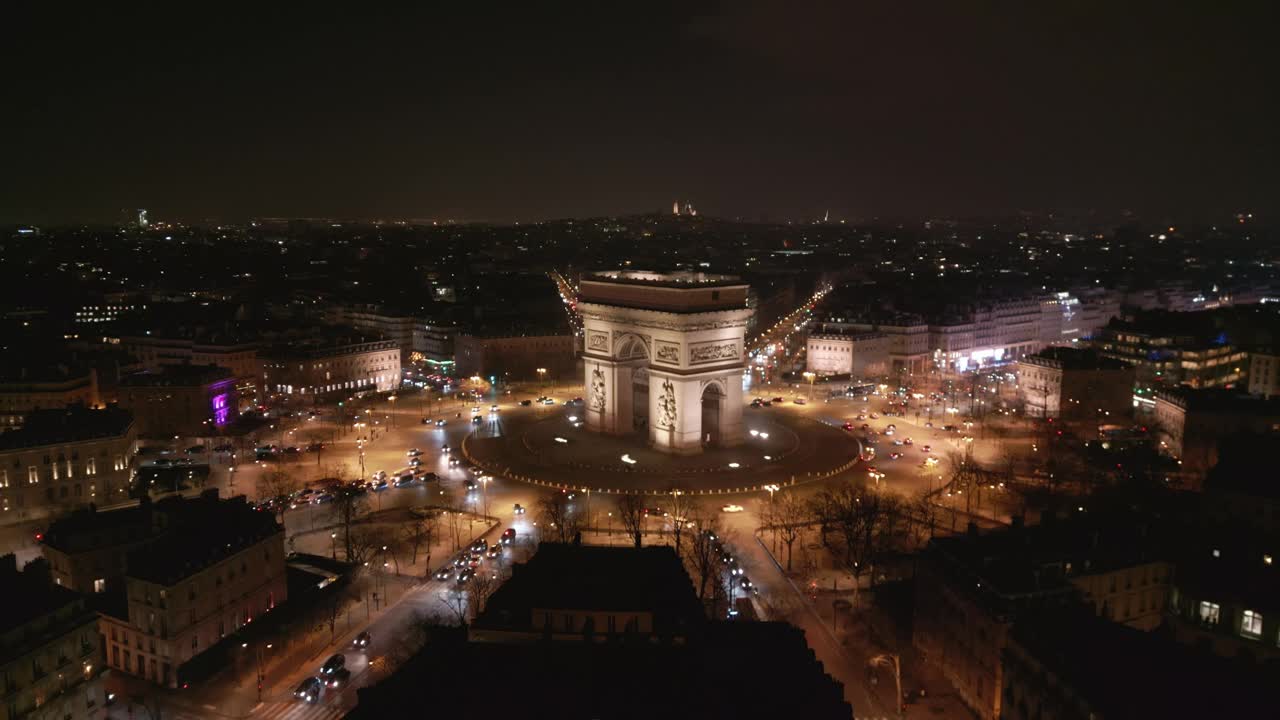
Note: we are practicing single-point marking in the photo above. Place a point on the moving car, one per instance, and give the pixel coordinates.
(465, 575)
(526, 403)
(338, 678)
(744, 582)
(362, 640)
(309, 690)
(444, 573)
(518, 509)
(440, 423)
(454, 462)
(470, 485)
(413, 452)
(799, 401)
(493, 408)
(476, 420)
(494, 552)
(508, 536)
(415, 462)
(380, 475)
(479, 546)
(336, 662)
(403, 480)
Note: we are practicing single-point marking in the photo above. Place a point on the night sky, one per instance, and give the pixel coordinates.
(524, 111)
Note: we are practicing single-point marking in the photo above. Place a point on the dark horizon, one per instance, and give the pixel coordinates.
(747, 110)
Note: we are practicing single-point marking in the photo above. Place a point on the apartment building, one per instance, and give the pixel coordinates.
(855, 353)
(212, 567)
(515, 357)
(1190, 423)
(63, 459)
(1075, 385)
(192, 401)
(332, 365)
(25, 388)
(50, 658)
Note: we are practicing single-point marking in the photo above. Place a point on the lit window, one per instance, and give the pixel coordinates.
(1209, 612)
(33, 475)
(1251, 624)
(99, 585)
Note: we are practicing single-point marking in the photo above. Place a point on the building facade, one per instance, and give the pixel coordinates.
(214, 566)
(857, 354)
(1264, 373)
(26, 389)
(1190, 424)
(64, 459)
(238, 357)
(1075, 385)
(193, 401)
(514, 357)
(332, 367)
(50, 658)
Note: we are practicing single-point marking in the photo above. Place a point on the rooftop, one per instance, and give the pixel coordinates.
(1220, 400)
(72, 424)
(678, 279)
(178, 376)
(583, 577)
(27, 596)
(1069, 358)
(1123, 672)
(197, 534)
(1020, 562)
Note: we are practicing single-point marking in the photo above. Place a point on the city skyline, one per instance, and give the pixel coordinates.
(745, 111)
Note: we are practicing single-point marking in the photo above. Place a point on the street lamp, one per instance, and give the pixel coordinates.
(891, 660)
(542, 378)
(333, 542)
(810, 377)
(392, 400)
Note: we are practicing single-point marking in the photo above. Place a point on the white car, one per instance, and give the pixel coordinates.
(731, 509)
(380, 475)
(413, 452)
(493, 408)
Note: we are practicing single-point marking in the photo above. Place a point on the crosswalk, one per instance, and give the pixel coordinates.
(296, 710)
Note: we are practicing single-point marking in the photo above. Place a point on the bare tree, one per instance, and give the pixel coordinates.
(560, 516)
(275, 484)
(420, 530)
(925, 512)
(701, 552)
(681, 507)
(349, 503)
(631, 515)
(481, 587)
(361, 544)
(456, 604)
(790, 516)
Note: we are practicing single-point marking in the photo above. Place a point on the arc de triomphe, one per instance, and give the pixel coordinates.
(663, 357)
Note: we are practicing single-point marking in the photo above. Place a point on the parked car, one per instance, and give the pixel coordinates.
(526, 403)
(223, 448)
(195, 450)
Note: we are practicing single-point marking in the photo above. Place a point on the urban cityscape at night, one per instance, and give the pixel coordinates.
(680, 360)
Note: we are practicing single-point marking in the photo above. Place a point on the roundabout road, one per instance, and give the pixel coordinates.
(549, 448)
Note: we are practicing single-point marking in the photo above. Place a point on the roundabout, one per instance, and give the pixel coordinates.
(778, 448)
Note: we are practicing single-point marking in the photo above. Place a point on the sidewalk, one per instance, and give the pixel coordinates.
(854, 628)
